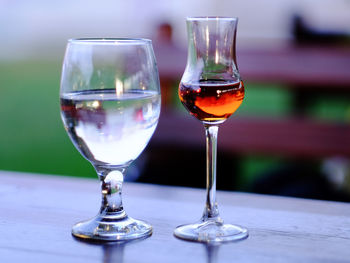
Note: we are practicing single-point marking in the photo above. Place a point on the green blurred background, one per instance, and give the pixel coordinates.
(33, 138)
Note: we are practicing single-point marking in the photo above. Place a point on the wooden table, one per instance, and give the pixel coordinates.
(37, 213)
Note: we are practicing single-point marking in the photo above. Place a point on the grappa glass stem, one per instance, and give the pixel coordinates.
(211, 209)
(211, 228)
(111, 189)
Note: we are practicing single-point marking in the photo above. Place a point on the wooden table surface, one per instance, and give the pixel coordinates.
(37, 212)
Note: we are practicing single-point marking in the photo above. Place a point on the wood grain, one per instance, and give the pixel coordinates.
(37, 212)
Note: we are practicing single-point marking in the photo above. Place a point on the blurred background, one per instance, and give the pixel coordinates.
(291, 136)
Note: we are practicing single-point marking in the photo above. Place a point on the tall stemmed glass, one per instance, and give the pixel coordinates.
(110, 105)
(211, 90)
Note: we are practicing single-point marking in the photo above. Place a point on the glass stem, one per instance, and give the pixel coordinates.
(111, 189)
(211, 209)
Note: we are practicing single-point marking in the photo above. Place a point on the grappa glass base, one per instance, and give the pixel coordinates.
(107, 228)
(210, 232)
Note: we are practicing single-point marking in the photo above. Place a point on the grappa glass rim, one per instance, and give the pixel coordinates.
(211, 18)
(110, 41)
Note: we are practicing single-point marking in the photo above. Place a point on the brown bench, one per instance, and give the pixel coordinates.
(282, 137)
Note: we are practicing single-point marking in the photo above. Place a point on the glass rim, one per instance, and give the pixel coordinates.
(110, 41)
(211, 18)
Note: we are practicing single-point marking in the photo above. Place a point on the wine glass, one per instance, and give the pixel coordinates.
(211, 90)
(110, 105)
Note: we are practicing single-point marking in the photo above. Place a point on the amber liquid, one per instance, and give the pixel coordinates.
(212, 100)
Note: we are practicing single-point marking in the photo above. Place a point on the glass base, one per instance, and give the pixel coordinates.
(107, 228)
(211, 232)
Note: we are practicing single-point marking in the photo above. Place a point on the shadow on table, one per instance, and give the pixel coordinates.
(112, 251)
(212, 252)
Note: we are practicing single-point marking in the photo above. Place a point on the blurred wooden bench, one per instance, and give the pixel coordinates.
(282, 137)
(305, 70)
(326, 67)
